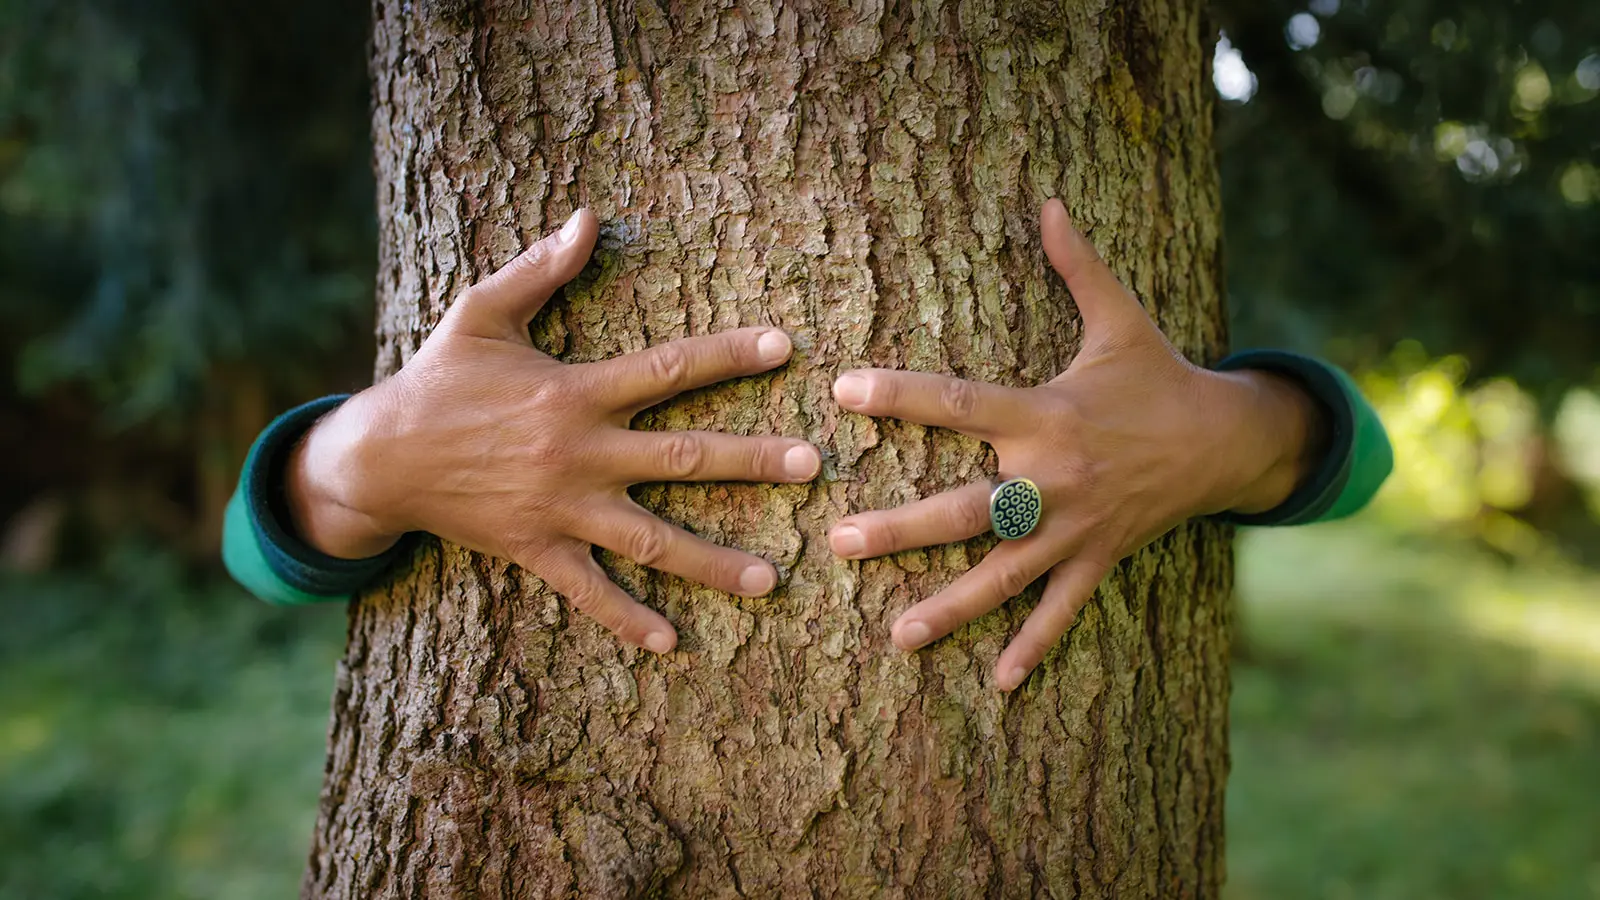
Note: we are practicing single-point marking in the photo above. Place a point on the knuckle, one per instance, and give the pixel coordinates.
(882, 534)
(1061, 410)
(468, 297)
(548, 397)
(958, 398)
(969, 518)
(584, 596)
(545, 451)
(589, 597)
(647, 544)
(543, 456)
(719, 569)
(1031, 649)
(883, 392)
(736, 352)
(757, 458)
(531, 260)
(607, 615)
(1013, 579)
(1082, 477)
(613, 617)
(592, 598)
(526, 554)
(684, 456)
(669, 365)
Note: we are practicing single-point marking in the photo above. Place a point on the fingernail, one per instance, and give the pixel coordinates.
(913, 635)
(773, 347)
(847, 541)
(1012, 678)
(569, 231)
(801, 462)
(850, 390)
(660, 642)
(757, 581)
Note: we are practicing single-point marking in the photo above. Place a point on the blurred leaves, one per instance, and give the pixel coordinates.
(1476, 460)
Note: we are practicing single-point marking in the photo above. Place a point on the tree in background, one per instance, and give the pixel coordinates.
(869, 180)
(186, 237)
(185, 215)
(1399, 169)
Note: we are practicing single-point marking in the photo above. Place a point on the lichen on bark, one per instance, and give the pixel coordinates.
(868, 177)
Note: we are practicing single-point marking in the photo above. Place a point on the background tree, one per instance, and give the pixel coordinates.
(870, 180)
(1422, 170)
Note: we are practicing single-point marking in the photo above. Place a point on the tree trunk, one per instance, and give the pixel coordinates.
(868, 178)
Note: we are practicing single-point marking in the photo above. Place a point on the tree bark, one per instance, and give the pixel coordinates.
(867, 176)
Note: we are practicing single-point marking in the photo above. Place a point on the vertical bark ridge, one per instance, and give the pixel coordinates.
(868, 176)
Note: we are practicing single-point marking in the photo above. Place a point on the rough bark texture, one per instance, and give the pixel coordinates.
(867, 176)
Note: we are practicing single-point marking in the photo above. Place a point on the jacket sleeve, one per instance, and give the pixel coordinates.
(1359, 456)
(260, 551)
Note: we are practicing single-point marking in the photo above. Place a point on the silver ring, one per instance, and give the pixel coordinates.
(1015, 508)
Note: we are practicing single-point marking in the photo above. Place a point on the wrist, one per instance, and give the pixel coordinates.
(1278, 435)
(333, 498)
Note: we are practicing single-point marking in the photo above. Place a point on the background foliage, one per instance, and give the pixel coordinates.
(1412, 188)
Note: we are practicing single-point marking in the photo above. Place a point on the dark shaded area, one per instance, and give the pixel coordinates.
(159, 736)
(186, 242)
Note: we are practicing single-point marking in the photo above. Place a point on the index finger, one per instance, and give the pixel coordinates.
(640, 380)
(971, 407)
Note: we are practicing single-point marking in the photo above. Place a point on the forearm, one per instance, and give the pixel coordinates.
(1284, 436)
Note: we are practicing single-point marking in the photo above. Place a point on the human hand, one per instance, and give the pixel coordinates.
(488, 443)
(1127, 443)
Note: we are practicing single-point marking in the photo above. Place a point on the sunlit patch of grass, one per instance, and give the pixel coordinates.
(1412, 719)
(1559, 623)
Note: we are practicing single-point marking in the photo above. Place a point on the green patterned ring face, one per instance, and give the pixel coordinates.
(1015, 508)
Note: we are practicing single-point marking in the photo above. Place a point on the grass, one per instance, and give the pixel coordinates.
(1411, 719)
(158, 738)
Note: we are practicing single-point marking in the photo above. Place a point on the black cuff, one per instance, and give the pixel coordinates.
(297, 563)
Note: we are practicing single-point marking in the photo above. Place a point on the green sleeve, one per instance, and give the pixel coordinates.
(260, 551)
(1359, 456)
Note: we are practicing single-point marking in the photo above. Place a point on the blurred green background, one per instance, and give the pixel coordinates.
(1411, 189)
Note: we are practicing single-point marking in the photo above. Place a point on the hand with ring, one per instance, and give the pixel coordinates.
(1126, 444)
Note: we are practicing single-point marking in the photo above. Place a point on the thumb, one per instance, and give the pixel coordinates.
(513, 295)
(1106, 306)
